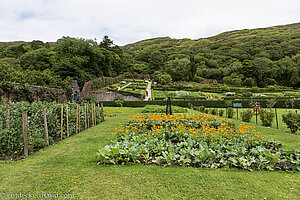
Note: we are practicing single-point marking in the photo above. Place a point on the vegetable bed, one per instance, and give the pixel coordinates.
(195, 140)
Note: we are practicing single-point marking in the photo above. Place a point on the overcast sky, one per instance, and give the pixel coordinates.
(128, 21)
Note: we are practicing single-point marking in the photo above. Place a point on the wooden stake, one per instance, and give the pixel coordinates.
(88, 119)
(276, 118)
(99, 111)
(67, 120)
(256, 116)
(79, 119)
(85, 124)
(95, 115)
(46, 127)
(102, 112)
(76, 118)
(92, 109)
(61, 121)
(24, 127)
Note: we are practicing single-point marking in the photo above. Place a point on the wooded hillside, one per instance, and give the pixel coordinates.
(257, 57)
(247, 57)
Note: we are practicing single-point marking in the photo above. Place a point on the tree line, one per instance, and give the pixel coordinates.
(257, 57)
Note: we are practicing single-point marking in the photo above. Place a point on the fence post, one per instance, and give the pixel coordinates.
(76, 118)
(24, 127)
(85, 124)
(276, 118)
(61, 121)
(88, 119)
(237, 113)
(46, 127)
(79, 119)
(102, 112)
(99, 111)
(95, 114)
(167, 106)
(256, 115)
(92, 108)
(170, 105)
(67, 120)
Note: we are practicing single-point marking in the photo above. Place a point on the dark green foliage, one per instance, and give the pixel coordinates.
(24, 94)
(119, 100)
(258, 57)
(230, 112)
(179, 69)
(206, 110)
(214, 111)
(11, 139)
(205, 103)
(255, 57)
(246, 115)
(292, 121)
(39, 59)
(266, 117)
(162, 78)
(221, 112)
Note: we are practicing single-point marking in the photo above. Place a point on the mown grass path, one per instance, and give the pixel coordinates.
(69, 167)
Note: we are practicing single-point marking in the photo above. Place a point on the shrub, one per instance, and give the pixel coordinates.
(292, 121)
(206, 110)
(213, 111)
(134, 87)
(119, 100)
(247, 94)
(221, 112)
(246, 115)
(201, 108)
(271, 88)
(271, 103)
(230, 112)
(190, 105)
(266, 117)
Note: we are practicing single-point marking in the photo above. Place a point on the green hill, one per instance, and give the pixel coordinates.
(266, 55)
(256, 57)
(285, 35)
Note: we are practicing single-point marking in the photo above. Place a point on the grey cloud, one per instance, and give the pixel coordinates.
(132, 20)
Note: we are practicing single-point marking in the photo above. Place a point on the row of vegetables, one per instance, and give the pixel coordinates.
(195, 140)
(57, 116)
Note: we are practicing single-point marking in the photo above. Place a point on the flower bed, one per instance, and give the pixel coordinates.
(195, 140)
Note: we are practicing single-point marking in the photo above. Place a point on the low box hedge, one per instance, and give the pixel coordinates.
(205, 103)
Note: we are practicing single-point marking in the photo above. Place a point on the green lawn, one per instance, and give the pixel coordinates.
(69, 167)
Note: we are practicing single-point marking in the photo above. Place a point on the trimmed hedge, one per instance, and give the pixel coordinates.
(217, 89)
(205, 103)
(182, 98)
